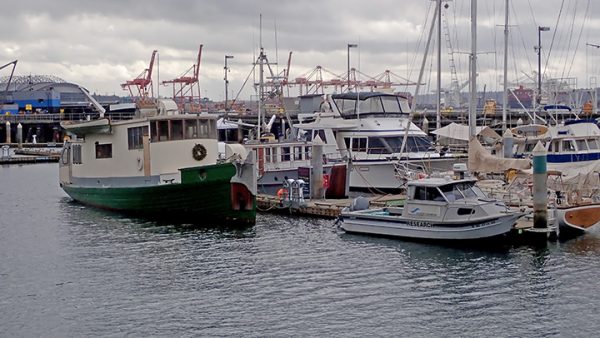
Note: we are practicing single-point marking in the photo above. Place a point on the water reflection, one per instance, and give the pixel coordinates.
(80, 215)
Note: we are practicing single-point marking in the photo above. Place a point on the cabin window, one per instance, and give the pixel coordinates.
(390, 104)
(465, 211)
(275, 155)
(162, 131)
(379, 145)
(428, 194)
(285, 154)
(191, 129)
(550, 147)
(176, 130)
(451, 192)
(416, 144)
(592, 144)
(420, 193)
(346, 107)
(267, 154)
(359, 144)
(297, 153)
(556, 146)
(104, 150)
(135, 137)
(76, 153)
(581, 145)
(372, 105)
(347, 142)
(65, 155)
(203, 128)
(568, 146)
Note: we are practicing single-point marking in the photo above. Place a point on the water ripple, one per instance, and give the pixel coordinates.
(69, 270)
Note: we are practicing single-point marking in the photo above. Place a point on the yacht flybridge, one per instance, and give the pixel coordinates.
(370, 128)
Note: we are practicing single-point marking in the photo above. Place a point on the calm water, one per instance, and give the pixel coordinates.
(68, 270)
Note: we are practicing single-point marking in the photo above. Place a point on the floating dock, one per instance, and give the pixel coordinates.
(327, 208)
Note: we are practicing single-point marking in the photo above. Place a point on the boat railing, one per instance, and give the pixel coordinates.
(293, 159)
(58, 117)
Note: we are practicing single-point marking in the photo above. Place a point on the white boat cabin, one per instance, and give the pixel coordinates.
(152, 148)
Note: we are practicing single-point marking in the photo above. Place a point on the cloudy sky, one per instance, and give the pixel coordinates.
(100, 44)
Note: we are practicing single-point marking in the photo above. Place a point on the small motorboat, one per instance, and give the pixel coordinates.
(436, 209)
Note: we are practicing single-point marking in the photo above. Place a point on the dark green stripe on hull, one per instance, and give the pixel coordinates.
(204, 196)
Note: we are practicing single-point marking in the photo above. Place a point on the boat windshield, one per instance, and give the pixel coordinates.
(458, 191)
(393, 144)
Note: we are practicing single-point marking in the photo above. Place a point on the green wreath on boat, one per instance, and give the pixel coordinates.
(199, 152)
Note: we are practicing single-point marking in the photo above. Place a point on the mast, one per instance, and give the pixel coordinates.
(421, 71)
(261, 81)
(505, 94)
(438, 115)
(473, 77)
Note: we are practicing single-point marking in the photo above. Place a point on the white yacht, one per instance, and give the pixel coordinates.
(572, 145)
(369, 128)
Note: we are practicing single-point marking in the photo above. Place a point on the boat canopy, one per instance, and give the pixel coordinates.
(457, 133)
(353, 105)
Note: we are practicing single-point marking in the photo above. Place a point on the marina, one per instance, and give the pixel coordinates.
(232, 192)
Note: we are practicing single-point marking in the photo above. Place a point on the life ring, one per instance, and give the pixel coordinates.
(198, 152)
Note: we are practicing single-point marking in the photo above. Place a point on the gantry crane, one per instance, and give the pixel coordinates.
(141, 83)
(186, 88)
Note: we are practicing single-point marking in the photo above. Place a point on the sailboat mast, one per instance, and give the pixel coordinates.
(438, 115)
(473, 77)
(505, 94)
(260, 84)
(421, 71)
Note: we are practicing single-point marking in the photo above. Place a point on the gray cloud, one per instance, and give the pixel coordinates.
(100, 44)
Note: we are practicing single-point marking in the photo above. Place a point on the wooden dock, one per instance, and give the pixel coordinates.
(327, 208)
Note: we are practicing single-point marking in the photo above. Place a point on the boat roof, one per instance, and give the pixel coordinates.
(187, 116)
(362, 96)
(327, 123)
(439, 181)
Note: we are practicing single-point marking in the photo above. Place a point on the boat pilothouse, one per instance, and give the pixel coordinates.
(569, 145)
(370, 128)
(381, 123)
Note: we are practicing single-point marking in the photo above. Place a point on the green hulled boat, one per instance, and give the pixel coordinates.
(161, 167)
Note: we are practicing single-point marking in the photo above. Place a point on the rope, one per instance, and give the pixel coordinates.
(585, 18)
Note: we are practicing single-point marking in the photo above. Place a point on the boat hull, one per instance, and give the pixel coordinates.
(383, 175)
(205, 196)
(398, 227)
(578, 218)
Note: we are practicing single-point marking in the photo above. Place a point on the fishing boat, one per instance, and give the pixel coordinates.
(163, 166)
(436, 209)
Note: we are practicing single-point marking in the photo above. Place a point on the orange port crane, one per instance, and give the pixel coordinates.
(141, 83)
(186, 88)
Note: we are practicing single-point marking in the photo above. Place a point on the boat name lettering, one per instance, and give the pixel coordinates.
(419, 223)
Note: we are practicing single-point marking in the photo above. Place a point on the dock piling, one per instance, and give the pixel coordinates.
(8, 140)
(317, 190)
(540, 189)
(20, 135)
(508, 142)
